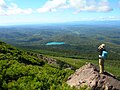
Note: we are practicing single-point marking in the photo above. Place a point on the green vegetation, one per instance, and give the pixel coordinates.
(19, 70)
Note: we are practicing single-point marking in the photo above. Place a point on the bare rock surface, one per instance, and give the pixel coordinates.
(89, 75)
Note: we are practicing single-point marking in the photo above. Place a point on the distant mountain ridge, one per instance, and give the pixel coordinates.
(90, 22)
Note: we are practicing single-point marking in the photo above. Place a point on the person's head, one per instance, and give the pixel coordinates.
(101, 46)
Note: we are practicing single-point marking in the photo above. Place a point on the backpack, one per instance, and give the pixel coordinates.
(104, 54)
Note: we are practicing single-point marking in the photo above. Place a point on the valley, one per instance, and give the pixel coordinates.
(81, 39)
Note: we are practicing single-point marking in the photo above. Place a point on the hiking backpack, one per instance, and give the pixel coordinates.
(104, 54)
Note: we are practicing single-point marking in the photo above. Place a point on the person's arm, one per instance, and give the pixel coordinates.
(99, 49)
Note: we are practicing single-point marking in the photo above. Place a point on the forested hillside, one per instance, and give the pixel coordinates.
(21, 70)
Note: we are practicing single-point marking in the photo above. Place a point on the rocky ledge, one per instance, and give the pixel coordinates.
(89, 75)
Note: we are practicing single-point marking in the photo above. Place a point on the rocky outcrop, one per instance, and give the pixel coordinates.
(89, 75)
(52, 61)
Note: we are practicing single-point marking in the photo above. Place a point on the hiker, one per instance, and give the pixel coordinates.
(102, 57)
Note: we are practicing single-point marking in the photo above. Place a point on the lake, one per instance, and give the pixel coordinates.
(55, 43)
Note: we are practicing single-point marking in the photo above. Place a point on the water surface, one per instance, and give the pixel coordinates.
(55, 43)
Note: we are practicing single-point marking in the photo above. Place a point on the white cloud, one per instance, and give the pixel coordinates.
(90, 5)
(3, 4)
(101, 18)
(108, 18)
(78, 5)
(52, 5)
(104, 6)
(13, 9)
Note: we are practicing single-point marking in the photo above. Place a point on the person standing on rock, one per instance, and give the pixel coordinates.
(102, 57)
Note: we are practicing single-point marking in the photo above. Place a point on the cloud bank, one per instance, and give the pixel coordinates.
(78, 5)
(53, 5)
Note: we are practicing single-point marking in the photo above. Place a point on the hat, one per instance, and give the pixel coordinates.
(102, 45)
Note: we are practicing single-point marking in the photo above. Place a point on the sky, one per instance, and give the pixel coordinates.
(14, 12)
